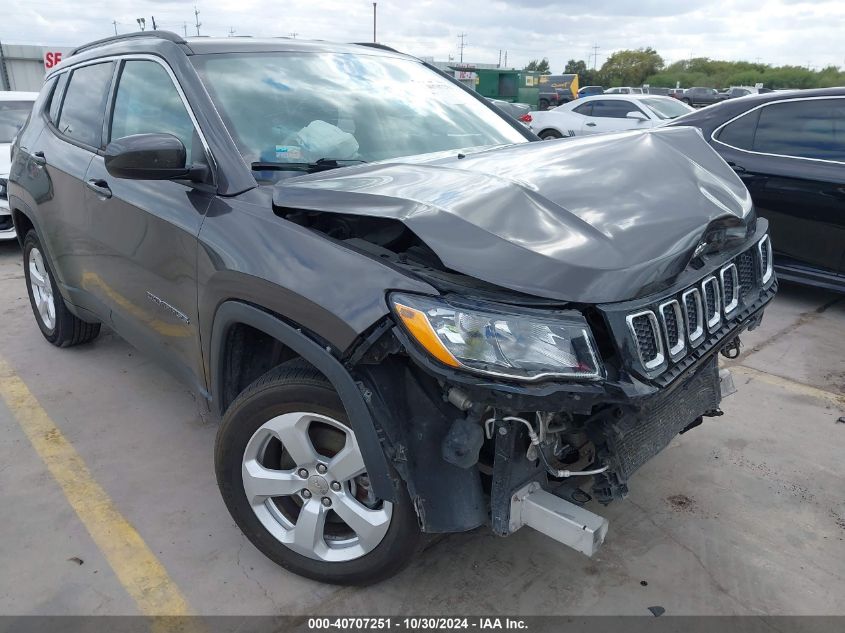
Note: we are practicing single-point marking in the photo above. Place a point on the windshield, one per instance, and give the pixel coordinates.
(12, 117)
(301, 107)
(667, 108)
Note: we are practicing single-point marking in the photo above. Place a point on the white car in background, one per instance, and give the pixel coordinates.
(14, 110)
(606, 113)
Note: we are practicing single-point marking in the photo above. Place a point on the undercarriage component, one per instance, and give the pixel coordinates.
(462, 443)
(557, 518)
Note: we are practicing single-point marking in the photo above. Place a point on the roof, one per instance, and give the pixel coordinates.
(615, 96)
(156, 41)
(11, 95)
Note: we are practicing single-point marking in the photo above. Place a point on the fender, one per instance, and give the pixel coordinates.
(233, 312)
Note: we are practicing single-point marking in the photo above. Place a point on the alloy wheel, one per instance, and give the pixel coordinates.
(304, 477)
(42, 289)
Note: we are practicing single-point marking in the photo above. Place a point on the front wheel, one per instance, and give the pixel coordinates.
(293, 478)
(543, 104)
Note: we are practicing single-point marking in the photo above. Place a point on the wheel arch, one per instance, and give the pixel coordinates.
(232, 314)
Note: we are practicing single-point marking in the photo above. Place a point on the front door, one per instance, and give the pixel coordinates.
(610, 115)
(147, 229)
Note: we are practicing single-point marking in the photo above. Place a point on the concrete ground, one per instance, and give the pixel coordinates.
(743, 515)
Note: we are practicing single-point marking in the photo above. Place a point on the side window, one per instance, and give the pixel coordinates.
(585, 109)
(812, 128)
(56, 98)
(147, 102)
(615, 109)
(740, 133)
(84, 105)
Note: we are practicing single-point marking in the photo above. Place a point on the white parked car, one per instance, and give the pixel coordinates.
(606, 113)
(623, 90)
(14, 109)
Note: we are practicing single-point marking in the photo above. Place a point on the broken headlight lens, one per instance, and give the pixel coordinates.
(512, 345)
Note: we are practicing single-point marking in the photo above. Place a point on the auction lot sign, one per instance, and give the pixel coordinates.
(52, 58)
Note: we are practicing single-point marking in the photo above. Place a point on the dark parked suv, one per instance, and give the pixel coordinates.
(410, 318)
(789, 150)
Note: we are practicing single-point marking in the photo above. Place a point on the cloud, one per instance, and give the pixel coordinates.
(775, 31)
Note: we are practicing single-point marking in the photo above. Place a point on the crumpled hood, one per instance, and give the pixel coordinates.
(591, 219)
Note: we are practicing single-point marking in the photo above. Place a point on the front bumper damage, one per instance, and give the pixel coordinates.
(475, 451)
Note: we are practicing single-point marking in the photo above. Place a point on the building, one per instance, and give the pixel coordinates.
(22, 66)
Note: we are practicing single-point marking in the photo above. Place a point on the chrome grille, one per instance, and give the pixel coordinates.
(665, 333)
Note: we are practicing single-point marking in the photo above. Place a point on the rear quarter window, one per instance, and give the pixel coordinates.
(811, 128)
(740, 133)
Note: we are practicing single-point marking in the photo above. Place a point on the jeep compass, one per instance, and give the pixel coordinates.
(410, 315)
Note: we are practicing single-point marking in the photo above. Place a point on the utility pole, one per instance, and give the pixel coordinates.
(231, 31)
(293, 35)
(499, 65)
(595, 55)
(185, 29)
(114, 22)
(463, 45)
(375, 6)
(506, 59)
(154, 22)
(197, 19)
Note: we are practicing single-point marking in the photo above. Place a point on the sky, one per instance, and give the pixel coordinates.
(769, 31)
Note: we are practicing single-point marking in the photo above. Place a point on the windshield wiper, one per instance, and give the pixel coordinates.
(321, 164)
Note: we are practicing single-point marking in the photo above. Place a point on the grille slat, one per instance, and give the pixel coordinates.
(643, 326)
(745, 268)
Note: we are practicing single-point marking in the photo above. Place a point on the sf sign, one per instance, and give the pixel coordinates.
(51, 58)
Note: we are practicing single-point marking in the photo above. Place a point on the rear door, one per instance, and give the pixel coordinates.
(610, 115)
(145, 230)
(791, 155)
(66, 147)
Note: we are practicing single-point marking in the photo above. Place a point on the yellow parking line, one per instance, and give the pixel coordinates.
(789, 385)
(139, 571)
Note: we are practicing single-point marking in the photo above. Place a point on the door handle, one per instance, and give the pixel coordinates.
(591, 124)
(39, 159)
(100, 187)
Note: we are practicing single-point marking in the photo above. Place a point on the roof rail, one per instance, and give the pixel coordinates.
(383, 47)
(162, 35)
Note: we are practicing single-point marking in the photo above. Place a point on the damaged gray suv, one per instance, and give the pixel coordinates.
(411, 316)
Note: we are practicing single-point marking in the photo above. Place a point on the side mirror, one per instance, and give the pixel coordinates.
(150, 157)
(636, 116)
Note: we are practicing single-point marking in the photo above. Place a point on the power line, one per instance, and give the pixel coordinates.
(462, 45)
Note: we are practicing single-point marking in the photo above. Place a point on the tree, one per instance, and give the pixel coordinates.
(541, 66)
(631, 67)
(577, 67)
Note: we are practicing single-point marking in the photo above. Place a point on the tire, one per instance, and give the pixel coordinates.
(58, 324)
(550, 134)
(687, 101)
(543, 104)
(295, 402)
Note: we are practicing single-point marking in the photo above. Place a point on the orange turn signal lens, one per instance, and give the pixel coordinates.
(418, 326)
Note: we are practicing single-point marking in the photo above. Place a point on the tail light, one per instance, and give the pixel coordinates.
(526, 118)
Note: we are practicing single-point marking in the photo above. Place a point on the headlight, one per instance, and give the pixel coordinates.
(511, 345)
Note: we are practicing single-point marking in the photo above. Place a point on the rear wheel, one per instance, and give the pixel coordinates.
(544, 104)
(58, 324)
(550, 134)
(293, 477)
